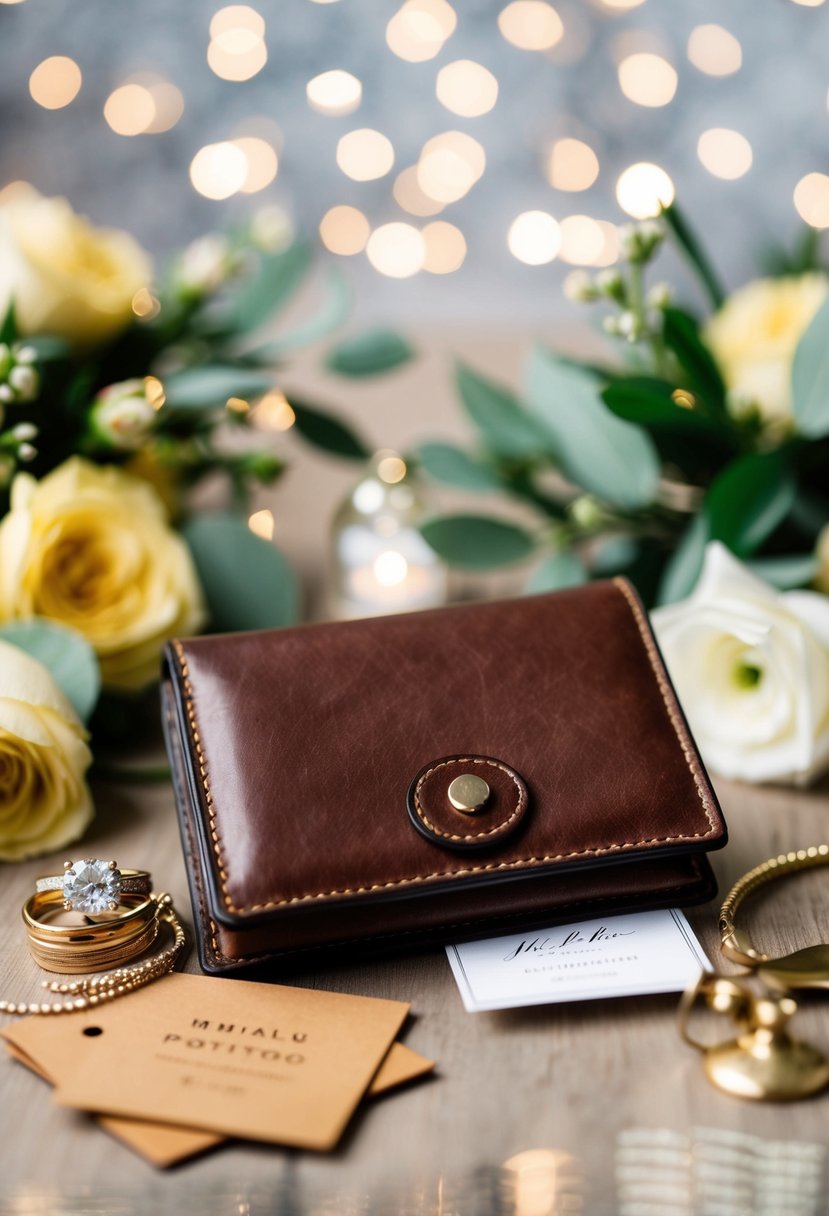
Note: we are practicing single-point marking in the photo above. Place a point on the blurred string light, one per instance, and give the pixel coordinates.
(811, 199)
(588, 242)
(55, 82)
(714, 50)
(261, 524)
(273, 412)
(365, 154)
(237, 48)
(644, 189)
(572, 165)
(534, 237)
(418, 30)
(334, 93)
(234, 166)
(808, 3)
(344, 230)
(449, 166)
(466, 88)
(397, 250)
(145, 104)
(408, 194)
(262, 162)
(724, 153)
(647, 79)
(531, 25)
(445, 247)
(621, 4)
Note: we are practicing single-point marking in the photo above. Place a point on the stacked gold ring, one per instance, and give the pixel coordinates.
(94, 946)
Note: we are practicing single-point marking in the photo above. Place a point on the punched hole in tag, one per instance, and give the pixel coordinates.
(92, 1032)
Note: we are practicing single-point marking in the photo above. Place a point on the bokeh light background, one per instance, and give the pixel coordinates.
(458, 160)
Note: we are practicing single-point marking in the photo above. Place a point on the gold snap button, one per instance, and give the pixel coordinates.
(468, 793)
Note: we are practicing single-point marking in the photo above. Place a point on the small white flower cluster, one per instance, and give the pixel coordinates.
(19, 378)
(639, 313)
(19, 383)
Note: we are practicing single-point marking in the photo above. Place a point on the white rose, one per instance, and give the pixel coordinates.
(751, 667)
(66, 277)
(44, 799)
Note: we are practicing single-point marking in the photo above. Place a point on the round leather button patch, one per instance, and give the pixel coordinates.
(467, 802)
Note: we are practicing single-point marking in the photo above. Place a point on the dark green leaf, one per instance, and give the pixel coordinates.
(685, 564)
(748, 500)
(247, 582)
(477, 542)
(650, 403)
(327, 432)
(613, 554)
(451, 465)
(329, 315)
(200, 388)
(810, 377)
(598, 451)
(694, 252)
(681, 334)
(505, 425)
(369, 353)
(273, 281)
(557, 571)
(65, 654)
(8, 326)
(794, 570)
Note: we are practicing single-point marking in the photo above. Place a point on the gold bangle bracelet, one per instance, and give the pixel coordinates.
(67, 961)
(805, 968)
(94, 946)
(86, 993)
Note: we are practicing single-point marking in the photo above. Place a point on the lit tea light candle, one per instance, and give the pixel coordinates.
(380, 562)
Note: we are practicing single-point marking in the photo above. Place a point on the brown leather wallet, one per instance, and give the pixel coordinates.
(316, 772)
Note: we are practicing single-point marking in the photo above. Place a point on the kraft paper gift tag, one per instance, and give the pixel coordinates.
(256, 1061)
(162, 1144)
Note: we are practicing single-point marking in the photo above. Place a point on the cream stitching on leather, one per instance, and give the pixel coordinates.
(500, 829)
(438, 875)
(251, 959)
(669, 700)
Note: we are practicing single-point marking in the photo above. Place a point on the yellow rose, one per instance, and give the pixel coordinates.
(754, 336)
(44, 800)
(65, 277)
(90, 547)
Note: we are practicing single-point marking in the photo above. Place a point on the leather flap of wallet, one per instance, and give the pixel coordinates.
(378, 759)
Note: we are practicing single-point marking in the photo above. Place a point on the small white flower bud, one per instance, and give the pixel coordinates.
(6, 393)
(25, 354)
(26, 452)
(627, 325)
(586, 512)
(579, 286)
(660, 295)
(24, 431)
(25, 382)
(204, 265)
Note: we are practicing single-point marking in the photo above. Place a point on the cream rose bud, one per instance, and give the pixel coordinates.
(753, 338)
(121, 416)
(90, 547)
(751, 667)
(66, 277)
(44, 800)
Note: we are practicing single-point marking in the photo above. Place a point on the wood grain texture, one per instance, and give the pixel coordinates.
(531, 1112)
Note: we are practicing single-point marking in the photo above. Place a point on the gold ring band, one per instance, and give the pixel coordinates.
(93, 946)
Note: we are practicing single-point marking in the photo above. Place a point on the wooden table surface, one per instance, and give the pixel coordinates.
(595, 1107)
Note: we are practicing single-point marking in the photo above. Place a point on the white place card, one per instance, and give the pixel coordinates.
(645, 952)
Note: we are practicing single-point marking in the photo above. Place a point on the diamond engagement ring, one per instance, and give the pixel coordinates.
(93, 886)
